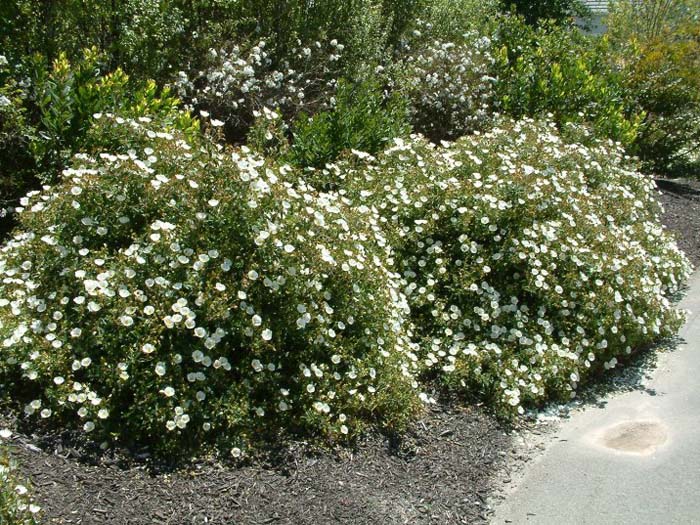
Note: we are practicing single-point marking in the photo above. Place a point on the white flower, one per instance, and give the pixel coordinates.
(267, 334)
(168, 391)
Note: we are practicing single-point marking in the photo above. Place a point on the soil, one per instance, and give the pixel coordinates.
(681, 201)
(444, 470)
(440, 472)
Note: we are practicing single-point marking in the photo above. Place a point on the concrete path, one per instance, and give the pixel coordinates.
(637, 460)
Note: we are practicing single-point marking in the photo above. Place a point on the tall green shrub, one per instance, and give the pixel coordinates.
(657, 45)
(559, 71)
(537, 11)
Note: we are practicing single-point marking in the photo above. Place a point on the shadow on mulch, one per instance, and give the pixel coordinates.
(440, 472)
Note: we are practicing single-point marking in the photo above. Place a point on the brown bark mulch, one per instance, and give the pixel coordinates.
(439, 473)
(681, 202)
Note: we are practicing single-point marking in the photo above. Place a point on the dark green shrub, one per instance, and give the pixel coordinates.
(17, 162)
(144, 37)
(537, 11)
(363, 118)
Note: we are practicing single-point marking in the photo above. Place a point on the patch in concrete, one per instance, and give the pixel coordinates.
(635, 437)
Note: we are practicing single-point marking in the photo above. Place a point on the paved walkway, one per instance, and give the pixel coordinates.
(637, 460)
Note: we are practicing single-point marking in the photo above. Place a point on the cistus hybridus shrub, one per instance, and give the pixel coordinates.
(530, 263)
(237, 83)
(174, 295)
(17, 505)
(449, 86)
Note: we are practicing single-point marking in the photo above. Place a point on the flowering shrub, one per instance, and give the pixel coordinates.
(67, 95)
(179, 295)
(16, 504)
(449, 86)
(529, 263)
(452, 20)
(241, 81)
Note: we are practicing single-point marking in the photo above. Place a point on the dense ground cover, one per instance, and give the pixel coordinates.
(278, 257)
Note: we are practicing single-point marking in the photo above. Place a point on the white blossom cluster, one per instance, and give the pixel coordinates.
(528, 263)
(176, 293)
(240, 81)
(16, 503)
(449, 85)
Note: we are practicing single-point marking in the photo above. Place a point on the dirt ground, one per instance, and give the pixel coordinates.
(439, 473)
(442, 471)
(681, 201)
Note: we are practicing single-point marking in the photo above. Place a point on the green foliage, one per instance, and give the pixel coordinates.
(657, 46)
(648, 20)
(146, 37)
(363, 118)
(196, 297)
(556, 70)
(16, 135)
(142, 36)
(66, 96)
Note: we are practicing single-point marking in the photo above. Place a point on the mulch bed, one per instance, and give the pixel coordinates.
(681, 201)
(442, 471)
